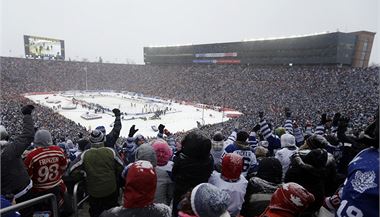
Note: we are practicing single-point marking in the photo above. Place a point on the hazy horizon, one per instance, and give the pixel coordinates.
(118, 30)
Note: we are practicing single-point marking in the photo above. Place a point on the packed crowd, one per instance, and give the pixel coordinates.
(284, 172)
(289, 155)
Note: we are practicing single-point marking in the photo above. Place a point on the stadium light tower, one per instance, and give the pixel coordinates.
(85, 69)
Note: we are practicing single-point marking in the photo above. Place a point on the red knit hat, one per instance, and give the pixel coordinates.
(289, 200)
(163, 152)
(232, 166)
(140, 185)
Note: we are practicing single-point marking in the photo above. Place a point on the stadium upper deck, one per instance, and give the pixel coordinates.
(351, 49)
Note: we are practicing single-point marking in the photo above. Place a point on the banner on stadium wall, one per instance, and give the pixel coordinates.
(220, 61)
(233, 54)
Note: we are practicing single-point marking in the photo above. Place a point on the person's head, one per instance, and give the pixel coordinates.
(288, 140)
(101, 129)
(217, 141)
(208, 201)
(147, 153)
(82, 144)
(140, 139)
(163, 151)
(370, 136)
(3, 133)
(261, 152)
(279, 131)
(97, 138)
(270, 169)
(42, 138)
(232, 166)
(291, 199)
(140, 185)
(242, 136)
(196, 146)
(316, 141)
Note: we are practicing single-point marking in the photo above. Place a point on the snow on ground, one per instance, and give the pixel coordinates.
(179, 117)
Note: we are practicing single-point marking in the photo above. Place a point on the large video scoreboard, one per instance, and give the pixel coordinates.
(44, 48)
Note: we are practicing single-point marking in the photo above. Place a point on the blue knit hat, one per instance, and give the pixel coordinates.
(209, 201)
(101, 129)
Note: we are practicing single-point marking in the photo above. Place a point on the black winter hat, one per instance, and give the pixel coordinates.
(316, 157)
(270, 169)
(316, 141)
(196, 146)
(242, 136)
(218, 136)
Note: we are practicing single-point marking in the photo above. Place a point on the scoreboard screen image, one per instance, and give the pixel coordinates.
(44, 48)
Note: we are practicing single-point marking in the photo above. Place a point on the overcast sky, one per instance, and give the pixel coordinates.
(118, 30)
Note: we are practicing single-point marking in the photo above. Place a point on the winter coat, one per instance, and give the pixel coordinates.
(102, 167)
(283, 156)
(236, 190)
(188, 172)
(14, 177)
(165, 185)
(258, 195)
(112, 137)
(153, 210)
(309, 170)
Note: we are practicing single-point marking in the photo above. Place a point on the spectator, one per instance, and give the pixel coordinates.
(15, 179)
(165, 184)
(231, 181)
(289, 200)
(46, 165)
(192, 165)
(103, 168)
(205, 200)
(140, 187)
(115, 132)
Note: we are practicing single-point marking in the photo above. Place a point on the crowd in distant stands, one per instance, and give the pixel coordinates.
(288, 155)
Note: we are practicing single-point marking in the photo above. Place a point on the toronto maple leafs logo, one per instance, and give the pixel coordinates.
(364, 181)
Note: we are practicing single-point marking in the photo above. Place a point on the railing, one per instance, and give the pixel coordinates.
(75, 198)
(31, 202)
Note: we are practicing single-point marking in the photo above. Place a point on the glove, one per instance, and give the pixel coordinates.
(256, 128)
(288, 113)
(116, 112)
(132, 131)
(336, 119)
(323, 119)
(27, 110)
(261, 115)
(161, 128)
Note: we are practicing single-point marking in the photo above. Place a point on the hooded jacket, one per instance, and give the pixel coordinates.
(140, 187)
(102, 167)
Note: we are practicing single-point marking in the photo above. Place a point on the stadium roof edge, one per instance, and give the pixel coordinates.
(260, 39)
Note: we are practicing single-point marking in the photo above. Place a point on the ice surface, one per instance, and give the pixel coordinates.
(180, 118)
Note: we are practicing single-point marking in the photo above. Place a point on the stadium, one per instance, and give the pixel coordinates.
(282, 126)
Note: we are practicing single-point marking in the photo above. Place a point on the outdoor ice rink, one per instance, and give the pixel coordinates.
(179, 117)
